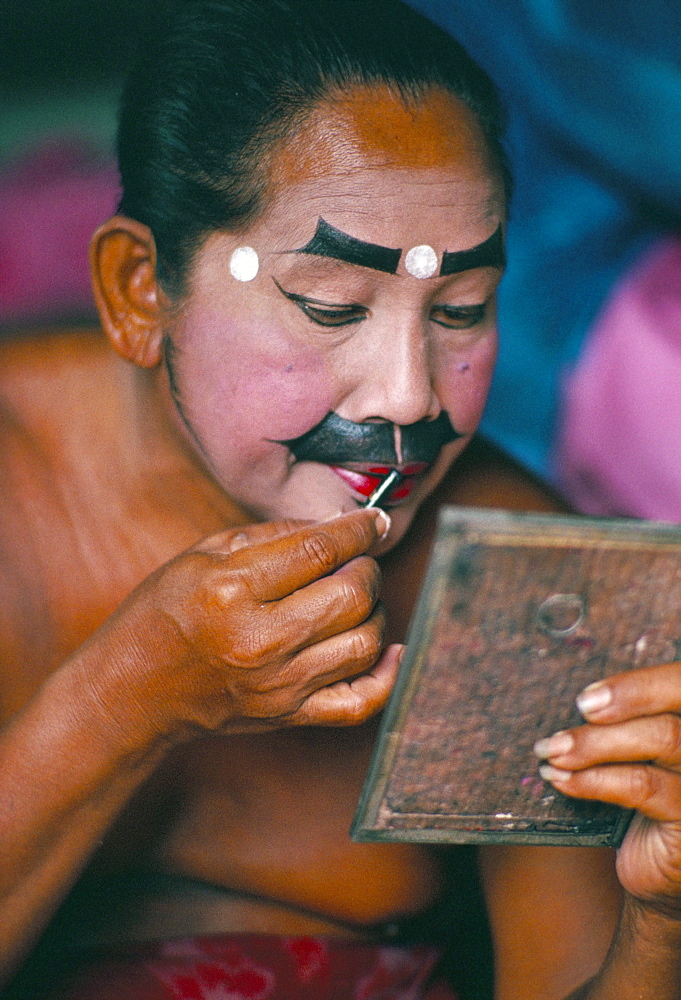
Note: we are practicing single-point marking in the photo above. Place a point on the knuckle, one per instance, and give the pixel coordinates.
(356, 600)
(365, 645)
(320, 550)
(670, 737)
(236, 540)
(235, 585)
(200, 574)
(246, 648)
(228, 592)
(254, 644)
(190, 566)
(372, 576)
(644, 782)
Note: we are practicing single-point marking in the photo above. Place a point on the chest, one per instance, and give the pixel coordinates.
(70, 552)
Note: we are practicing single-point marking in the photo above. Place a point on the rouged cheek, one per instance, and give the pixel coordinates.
(252, 389)
(463, 382)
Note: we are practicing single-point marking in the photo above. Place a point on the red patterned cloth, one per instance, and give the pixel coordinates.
(260, 967)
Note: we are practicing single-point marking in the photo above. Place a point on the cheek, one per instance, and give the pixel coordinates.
(254, 384)
(463, 382)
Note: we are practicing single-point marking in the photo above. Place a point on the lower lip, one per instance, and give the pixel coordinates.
(365, 485)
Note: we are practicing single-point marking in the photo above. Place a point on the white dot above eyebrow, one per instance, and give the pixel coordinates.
(421, 261)
(244, 264)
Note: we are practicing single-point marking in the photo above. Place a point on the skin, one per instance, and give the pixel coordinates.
(188, 677)
(245, 358)
(331, 242)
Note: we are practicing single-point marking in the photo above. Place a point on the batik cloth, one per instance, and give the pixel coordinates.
(260, 967)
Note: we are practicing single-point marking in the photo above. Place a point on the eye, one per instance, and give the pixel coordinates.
(326, 313)
(458, 317)
(329, 315)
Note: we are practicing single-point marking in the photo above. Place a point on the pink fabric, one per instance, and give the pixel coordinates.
(260, 967)
(51, 201)
(619, 451)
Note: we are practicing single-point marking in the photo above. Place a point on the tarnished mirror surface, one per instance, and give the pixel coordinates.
(518, 613)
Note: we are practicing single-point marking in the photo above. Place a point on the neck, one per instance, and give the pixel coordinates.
(162, 455)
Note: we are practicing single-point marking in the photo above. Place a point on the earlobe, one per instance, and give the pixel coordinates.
(123, 268)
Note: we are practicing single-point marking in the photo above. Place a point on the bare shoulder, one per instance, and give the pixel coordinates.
(485, 476)
(42, 377)
(34, 407)
(39, 369)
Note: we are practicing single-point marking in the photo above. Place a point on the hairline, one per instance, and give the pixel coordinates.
(287, 128)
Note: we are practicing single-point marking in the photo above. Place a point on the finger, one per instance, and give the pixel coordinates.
(651, 790)
(351, 703)
(339, 658)
(268, 638)
(326, 607)
(279, 567)
(227, 542)
(647, 691)
(654, 738)
(275, 692)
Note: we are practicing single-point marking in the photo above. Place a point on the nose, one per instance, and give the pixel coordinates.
(393, 378)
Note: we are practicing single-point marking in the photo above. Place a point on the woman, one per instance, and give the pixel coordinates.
(298, 300)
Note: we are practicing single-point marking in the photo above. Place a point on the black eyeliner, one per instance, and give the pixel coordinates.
(316, 302)
(326, 308)
(468, 315)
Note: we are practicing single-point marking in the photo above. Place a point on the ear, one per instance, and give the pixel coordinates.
(130, 302)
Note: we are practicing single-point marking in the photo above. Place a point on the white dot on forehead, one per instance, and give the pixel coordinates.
(421, 261)
(244, 264)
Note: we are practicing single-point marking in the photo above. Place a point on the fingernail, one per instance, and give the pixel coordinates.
(550, 773)
(554, 746)
(593, 698)
(383, 523)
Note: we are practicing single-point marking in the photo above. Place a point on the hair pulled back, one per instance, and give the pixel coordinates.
(217, 83)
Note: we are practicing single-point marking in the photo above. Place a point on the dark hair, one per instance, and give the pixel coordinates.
(218, 82)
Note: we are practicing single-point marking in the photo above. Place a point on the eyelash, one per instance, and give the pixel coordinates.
(459, 317)
(326, 314)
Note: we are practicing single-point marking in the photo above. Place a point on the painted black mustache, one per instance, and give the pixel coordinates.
(335, 441)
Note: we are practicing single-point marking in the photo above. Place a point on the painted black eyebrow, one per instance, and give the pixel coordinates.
(331, 242)
(491, 253)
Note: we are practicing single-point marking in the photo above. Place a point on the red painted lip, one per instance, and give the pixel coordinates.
(413, 469)
(364, 483)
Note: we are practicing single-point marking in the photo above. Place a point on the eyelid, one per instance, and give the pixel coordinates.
(461, 317)
(338, 314)
(317, 302)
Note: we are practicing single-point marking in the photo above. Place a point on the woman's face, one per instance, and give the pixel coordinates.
(339, 320)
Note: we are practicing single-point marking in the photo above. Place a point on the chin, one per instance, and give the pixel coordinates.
(309, 492)
(313, 492)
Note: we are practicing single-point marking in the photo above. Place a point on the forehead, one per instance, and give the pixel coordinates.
(381, 128)
(385, 172)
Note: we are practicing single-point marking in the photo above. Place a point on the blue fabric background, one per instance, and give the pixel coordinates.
(593, 90)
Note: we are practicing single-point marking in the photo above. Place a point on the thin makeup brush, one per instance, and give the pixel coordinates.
(392, 479)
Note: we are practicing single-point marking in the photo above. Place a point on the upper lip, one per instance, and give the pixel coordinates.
(381, 469)
(364, 479)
